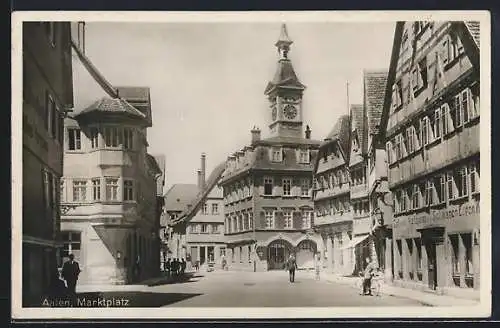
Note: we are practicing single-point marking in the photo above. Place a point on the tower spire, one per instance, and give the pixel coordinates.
(283, 43)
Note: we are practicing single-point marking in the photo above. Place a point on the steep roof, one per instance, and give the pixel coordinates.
(111, 105)
(284, 77)
(139, 97)
(474, 29)
(340, 133)
(179, 196)
(153, 163)
(374, 91)
(196, 203)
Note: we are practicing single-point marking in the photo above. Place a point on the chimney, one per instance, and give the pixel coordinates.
(199, 180)
(255, 134)
(203, 170)
(308, 132)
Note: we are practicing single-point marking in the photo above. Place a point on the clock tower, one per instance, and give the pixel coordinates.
(285, 93)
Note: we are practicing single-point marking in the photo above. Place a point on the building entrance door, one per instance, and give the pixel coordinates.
(202, 255)
(278, 253)
(431, 264)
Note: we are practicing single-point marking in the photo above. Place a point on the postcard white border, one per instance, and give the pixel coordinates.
(483, 309)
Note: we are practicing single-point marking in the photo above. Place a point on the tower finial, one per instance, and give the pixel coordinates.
(283, 43)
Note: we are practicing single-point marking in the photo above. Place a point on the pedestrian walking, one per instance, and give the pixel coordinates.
(317, 266)
(370, 269)
(70, 272)
(291, 265)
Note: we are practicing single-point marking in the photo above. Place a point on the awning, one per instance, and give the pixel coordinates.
(354, 241)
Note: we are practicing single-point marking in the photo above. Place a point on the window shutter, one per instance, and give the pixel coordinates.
(472, 106)
(448, 118)
(402, 139)
(416, 137)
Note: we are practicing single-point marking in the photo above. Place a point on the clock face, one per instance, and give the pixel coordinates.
(290, 112)
(274, 113)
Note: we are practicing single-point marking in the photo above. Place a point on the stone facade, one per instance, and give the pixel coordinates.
(431, 125)
(47, 95)
(109, 190)
(267, 185)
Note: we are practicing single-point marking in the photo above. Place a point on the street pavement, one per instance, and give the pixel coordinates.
(244, 289)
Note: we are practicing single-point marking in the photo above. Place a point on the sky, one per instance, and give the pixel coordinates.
(207, 80)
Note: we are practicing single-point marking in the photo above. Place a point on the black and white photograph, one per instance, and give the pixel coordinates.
(251, 165)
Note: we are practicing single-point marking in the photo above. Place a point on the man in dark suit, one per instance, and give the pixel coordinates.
(70, 273)
(291, 265)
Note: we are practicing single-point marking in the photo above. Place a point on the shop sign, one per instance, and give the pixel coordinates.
(437, 216)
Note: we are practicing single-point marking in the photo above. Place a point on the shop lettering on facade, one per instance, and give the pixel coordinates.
(439, 215)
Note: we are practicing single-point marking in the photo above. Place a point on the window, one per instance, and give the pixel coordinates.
(419, 76)
(96, 189)
(402, 201)
(287, 215)
(277, 154)
(111, 189)
(204, 209)
(94, 138)
(440, 188)
(287, 187)
(426, 133)
(474, 178)
(215, 209)
(389, 150)
(428, 192)
(452, 48)
(450, 185)
(304, 187)
(222, 251)
(415, 197)
(461, 181)
(128, 190)
(410, 139)
(79, 191)
(250, 221)
(304, 156)
(397, 95)
(112, 136)
(448, 124)
(128, 138)
(204, 228)
(438, 125)
(50, 30)
(71, 241)
(269, 219)
(398, 147)
(268, 186)
(74, 139)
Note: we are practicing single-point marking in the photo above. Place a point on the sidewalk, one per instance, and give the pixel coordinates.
(426, 298)
(156, 281)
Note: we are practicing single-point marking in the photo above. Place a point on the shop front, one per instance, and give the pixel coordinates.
(438, 250)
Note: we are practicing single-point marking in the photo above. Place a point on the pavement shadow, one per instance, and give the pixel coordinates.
(117, 299)
(167, 280)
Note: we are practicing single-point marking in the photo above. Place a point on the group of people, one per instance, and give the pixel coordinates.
(175, 266)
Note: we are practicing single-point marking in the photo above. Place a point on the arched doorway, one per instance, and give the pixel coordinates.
(305, 254)
(278, 252)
